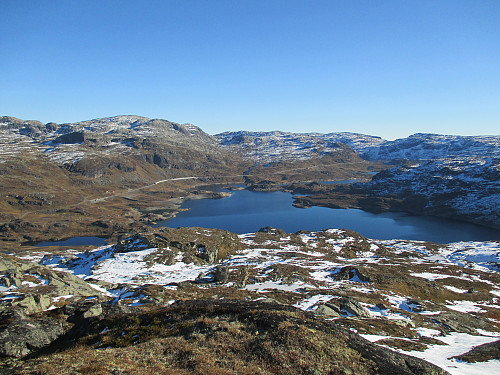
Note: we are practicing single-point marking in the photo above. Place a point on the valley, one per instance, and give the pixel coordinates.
(306, 300)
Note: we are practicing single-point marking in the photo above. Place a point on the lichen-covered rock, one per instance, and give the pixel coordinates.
(326, 310)
(220, 274)
(352, 306)
(35, 287)
(21, 335)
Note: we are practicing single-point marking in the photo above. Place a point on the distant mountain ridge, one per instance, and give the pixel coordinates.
(263, 146)
(451, 175)
(440, 175)
(159, 142)
(279, 145)
(422, 146)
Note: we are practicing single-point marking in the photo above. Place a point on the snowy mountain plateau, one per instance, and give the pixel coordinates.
(439, 175)
(276, 145)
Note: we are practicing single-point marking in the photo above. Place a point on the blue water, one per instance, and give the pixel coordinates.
(247, 211)
(75, 241)
(338, 182)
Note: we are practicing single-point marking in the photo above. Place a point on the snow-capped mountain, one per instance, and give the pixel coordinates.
(282, 145)
(434, 146)
(276, 145)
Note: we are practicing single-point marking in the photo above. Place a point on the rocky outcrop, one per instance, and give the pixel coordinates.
(34, 288)
(351, 306)
(328, 310)
(21, 335)
(351, 273)
(481, 353)
(209, 246)
(219, 274)
(273, 231)
(255, 335)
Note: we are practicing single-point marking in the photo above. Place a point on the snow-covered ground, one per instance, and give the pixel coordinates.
(276, 145)
(107, 136)
(320, 255)
(283, 145)
(469, 186)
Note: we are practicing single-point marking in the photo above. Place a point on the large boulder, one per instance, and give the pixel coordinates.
(21, 335)
(352, 306)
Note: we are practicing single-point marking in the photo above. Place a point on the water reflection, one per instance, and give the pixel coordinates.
(246, 211)
(75, 241)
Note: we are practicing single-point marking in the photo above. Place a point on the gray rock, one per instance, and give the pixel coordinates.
(349, 273)
(94, 310)
(24, 335)
(274, 231)
(352, 306)
(206, 253)
(33, 302)
(325, 310)
(220, 274)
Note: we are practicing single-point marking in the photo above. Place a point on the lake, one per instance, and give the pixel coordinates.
(248, 211)
(75, 241)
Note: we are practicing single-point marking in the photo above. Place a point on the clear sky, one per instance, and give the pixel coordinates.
(386, 68)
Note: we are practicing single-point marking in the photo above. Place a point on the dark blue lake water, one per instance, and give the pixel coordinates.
(246, 211)
(75, 241)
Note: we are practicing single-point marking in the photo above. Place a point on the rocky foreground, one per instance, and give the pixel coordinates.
(196, 300)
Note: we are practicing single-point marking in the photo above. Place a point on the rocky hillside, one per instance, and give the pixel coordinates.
(103, 176)
(281, 145)
(434, 146)
(276, 145)
(463, 188)
(93, 147)
(195, 300)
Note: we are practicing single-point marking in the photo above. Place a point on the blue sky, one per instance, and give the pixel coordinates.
(387, 68)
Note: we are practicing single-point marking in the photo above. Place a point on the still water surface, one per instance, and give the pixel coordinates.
(247, 211)
(75, 241)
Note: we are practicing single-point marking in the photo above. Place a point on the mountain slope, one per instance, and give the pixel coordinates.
(96, 146)
(102, 176)
(276, 145)
(434, 146)
(282, 145)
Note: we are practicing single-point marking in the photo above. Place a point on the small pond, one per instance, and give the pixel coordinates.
(75, 241)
